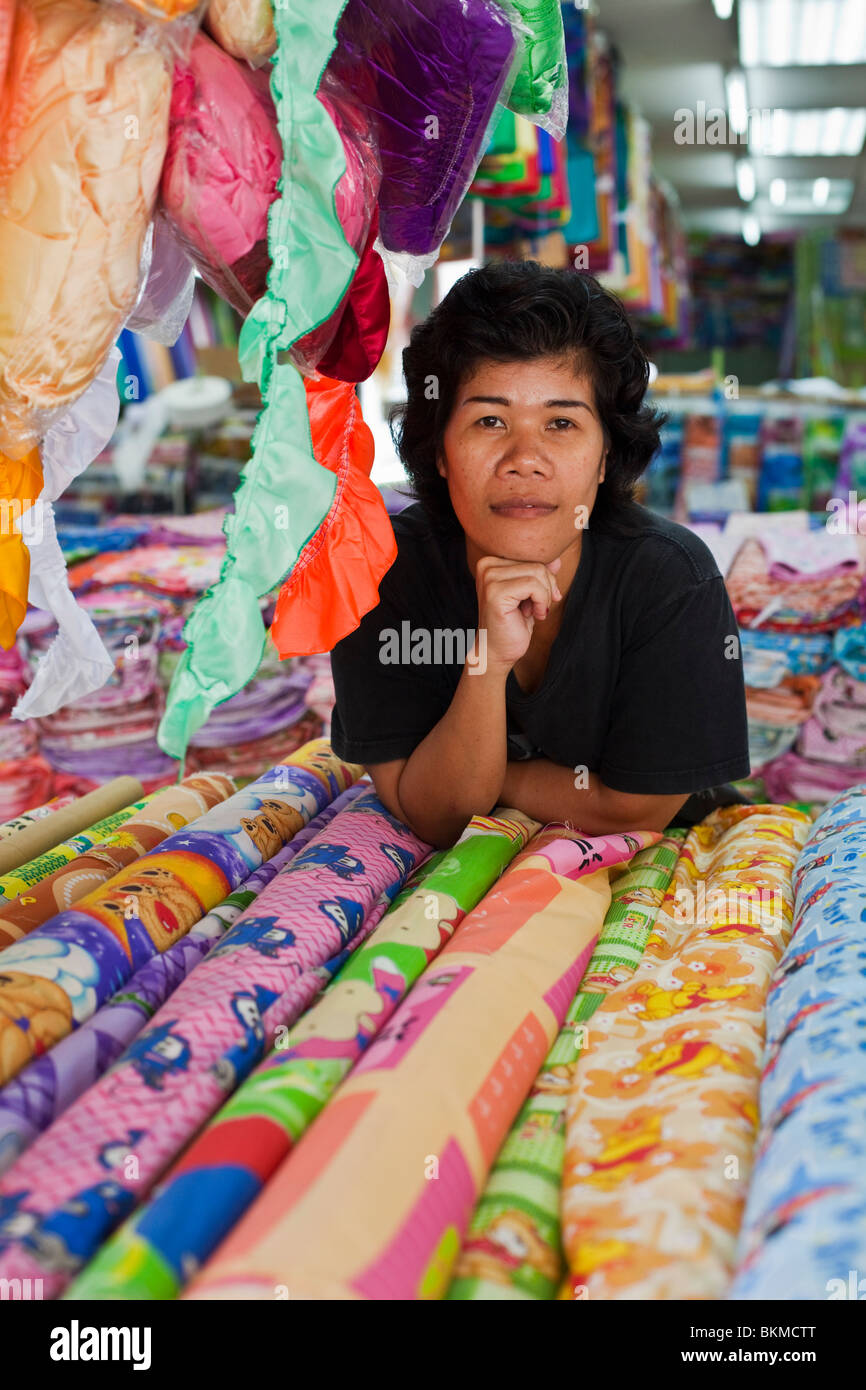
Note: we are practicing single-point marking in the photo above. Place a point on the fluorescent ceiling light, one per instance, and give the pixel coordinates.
(745, 180)
(723, 8)
(839, 130)
(808, 197)
(820, 192)
(738, 102)
(777, 192)
(751, 229)
(813, 33)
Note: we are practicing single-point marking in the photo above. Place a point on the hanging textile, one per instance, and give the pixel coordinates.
(662, 1115)
(202, 1043)
(804, 1229)
(375, 1198)
(311, 267)
(513, 1246)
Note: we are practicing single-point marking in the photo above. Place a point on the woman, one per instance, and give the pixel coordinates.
(601, 681)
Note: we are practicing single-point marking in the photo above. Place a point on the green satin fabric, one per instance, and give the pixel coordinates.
(285, 494)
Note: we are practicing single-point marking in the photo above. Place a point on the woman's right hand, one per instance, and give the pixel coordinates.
(511, 595)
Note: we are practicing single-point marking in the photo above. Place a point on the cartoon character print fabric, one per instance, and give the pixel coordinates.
(804, 1228)
(353, 1211)
(49, 1085)
(59, 975)
(148, 826)
(513, 1248)
(205, 1040)
(669, 1080)
(152, 1255)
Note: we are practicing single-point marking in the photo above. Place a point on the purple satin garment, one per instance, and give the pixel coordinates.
(430, 72)
(31, 1101)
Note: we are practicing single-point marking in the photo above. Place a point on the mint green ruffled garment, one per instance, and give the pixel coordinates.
(311, 268)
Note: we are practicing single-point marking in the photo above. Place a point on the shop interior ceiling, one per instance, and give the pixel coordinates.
(679, 53)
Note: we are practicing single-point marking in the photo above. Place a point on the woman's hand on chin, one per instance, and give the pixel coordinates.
(511, 595)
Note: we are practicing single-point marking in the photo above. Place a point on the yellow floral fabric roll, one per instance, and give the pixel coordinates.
(662, 1117)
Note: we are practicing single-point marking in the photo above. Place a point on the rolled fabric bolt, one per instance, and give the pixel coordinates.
(43, 835)
(59, 975)
(354, 1212)
(513, 1247)
(662, 1113)
(38, 813)
(229, 1163)
(48, 1086)
(20, 881)
(201, 1044)
(165, 812)
(803, 1232)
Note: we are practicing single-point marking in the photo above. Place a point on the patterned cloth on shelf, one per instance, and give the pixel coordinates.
(183, 571)
(74, 1185)
(32, 1100)
(149, 824)
(662, 1115)
(61, 973)
(849, 649)
(836, 731)
(225, 1168)
(375, 1198)
(768, 656)
(512, 1249)
(795, 778)
(807, 604)
(804, 1231)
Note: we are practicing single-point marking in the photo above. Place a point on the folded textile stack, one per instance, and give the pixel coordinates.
(799, 597)
(139, 599)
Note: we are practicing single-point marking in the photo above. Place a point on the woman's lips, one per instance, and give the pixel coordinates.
(523, 509)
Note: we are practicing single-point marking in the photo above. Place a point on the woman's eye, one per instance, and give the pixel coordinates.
(562, 424)
(487, 420)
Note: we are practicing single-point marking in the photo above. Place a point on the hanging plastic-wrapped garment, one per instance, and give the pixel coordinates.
(540, 90)
(430, 73)
(83, 128)
(244, 28)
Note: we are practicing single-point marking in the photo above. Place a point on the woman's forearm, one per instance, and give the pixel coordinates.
(458, 769)
(548, 792)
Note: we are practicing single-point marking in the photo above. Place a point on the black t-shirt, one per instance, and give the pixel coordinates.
(644, 682)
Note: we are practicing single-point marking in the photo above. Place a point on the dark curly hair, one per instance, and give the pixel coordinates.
(511, 311)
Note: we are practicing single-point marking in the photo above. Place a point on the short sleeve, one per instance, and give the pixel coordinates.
(384, 706)
(678, 713)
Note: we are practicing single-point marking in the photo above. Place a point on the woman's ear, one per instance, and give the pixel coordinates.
(440, 466)
(603, 467)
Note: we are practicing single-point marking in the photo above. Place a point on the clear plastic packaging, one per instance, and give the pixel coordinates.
(244, 28)
(355, 202)
(430, 73)
(540, 88)
(168, 284)
(173, 23)
(221, 170)
(84, 115)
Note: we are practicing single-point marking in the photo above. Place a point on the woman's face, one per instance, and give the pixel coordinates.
(523, 455)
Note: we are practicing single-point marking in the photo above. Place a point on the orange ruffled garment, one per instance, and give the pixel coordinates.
(83, 129)
(244, 28)
(337, 575)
